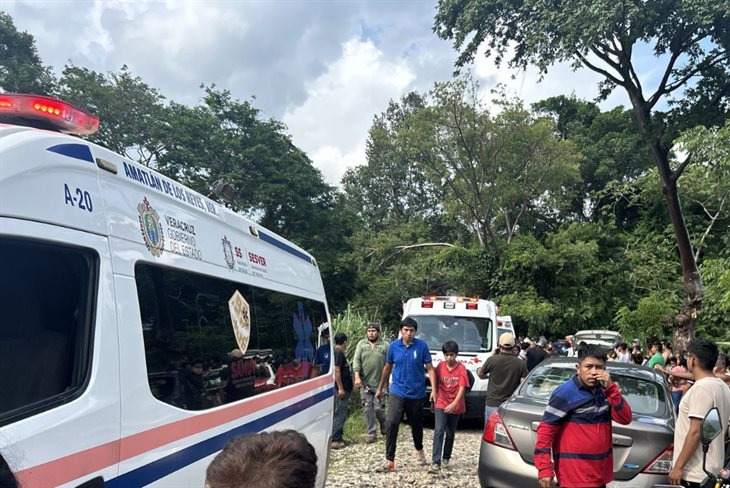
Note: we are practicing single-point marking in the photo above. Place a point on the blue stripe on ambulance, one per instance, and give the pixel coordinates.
(283, 246)
(149, 473)
(77, 151)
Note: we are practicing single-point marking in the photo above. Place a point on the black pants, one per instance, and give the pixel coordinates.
(414, 410)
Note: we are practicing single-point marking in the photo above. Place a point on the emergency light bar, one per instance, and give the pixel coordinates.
(53, 114)
(471, 303)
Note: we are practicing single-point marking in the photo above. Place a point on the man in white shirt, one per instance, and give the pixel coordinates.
(708, 392)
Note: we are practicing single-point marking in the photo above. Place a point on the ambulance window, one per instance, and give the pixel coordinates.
(46, 311)
(199, 357)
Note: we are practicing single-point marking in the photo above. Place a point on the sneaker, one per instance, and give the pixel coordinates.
(420, 458)
(434, 469)
(445, 464)
(386, 467)
(337, 445)
(370, 439)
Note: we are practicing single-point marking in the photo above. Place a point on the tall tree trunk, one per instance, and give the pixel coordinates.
(685, 321)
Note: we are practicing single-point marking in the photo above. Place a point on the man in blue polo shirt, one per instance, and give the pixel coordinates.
(406, 359)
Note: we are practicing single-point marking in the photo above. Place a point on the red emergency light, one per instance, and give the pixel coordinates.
(472, 306)
(46, 113)
(426, 304)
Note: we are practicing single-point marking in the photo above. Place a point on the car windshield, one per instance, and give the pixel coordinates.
(473, 334)
(645, 396)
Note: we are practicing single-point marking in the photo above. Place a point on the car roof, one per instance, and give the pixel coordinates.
(626, 369)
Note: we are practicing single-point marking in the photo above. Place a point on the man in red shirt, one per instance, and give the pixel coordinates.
(581, 409)
(452, 382)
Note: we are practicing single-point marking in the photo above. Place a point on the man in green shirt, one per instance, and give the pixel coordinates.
(368, 365)
(657, 358)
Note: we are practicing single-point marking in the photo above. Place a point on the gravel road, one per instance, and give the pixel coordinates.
(354, 465)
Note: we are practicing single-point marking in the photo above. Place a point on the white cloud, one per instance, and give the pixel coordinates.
(331, 125)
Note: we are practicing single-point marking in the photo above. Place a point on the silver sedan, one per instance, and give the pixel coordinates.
(642, 450)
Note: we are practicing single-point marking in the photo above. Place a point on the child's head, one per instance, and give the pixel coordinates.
(450, 347)
(450, 350)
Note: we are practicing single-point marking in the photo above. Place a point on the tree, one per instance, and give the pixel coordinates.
(21, 69)
(391, 188)
(573, 280)
(225, 138)
(689, 38)
(131, 113)
(612, 148)
(498, 170)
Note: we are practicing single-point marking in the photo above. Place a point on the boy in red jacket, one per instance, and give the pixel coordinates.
(579, 410)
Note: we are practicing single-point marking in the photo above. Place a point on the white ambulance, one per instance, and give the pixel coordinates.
(142, 325)
(470, 322)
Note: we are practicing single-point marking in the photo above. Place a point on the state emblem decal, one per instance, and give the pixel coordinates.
(151, 228)
(228, 252)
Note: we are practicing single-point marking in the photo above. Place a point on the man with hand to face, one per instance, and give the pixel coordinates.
(576, 426)
(406, 359)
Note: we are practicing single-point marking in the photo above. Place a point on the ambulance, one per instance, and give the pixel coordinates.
(142, 324)
(469, 321)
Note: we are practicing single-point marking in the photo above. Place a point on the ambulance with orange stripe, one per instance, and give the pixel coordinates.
(142, 325)
(473, 324)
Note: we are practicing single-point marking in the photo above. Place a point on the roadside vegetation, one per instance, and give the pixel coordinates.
(567, 215)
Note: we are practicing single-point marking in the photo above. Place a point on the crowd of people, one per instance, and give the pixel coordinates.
(581, 408)
(698, 379)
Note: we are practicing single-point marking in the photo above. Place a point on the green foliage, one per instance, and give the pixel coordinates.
(715, 319)
(391, 189)
(553, 211)
(574, 280)
(353, 322)
(612, 147)
(539, 33)
(393, 266)
(531, 314)
(650, 318)
(21, 69)
(131, 113)
(689, 39)
(705, 187)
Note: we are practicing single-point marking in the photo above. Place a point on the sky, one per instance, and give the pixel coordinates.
(323, 67)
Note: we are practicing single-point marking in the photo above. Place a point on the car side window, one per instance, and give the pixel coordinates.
(210, 341)
(46, 297)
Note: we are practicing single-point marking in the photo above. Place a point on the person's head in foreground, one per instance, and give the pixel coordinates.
(278, 459)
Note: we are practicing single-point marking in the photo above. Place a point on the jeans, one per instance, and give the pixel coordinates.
(676, 398)
(443, 422)
(414, 410)
(338, 422)
(372, 408)
(487, 412)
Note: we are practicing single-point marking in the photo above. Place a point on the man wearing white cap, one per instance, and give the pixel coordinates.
(505, 373)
